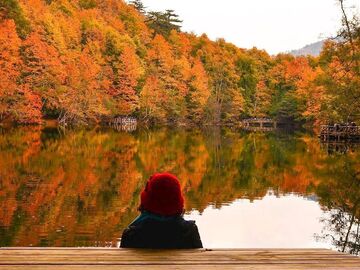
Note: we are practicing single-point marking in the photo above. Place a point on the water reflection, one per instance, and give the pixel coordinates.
(340, 197)
(81, 187)
(339, 147)
(272, 222)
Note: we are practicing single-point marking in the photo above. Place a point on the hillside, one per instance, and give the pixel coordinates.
(80, 61)
(312, 49)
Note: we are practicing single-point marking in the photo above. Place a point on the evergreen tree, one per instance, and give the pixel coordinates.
(138, 5)
(173, 19)
(163, 22)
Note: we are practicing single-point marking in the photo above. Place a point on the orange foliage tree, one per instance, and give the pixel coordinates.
(105, 54)
(9, 71)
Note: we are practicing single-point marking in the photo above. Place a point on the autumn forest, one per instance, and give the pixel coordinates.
(79, 61)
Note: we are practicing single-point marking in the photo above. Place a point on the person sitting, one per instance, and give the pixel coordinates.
(161, 223)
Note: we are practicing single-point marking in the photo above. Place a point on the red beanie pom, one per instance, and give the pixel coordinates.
(162, 195)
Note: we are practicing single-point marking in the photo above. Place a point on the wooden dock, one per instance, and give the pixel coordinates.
(121, 123)
(259, 123)
(219, 259)
(340, 133)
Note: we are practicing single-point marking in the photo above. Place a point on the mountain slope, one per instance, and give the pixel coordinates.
(313, 49)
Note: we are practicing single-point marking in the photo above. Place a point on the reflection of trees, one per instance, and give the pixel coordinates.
(218, 166)
(339, 147)
(74, 187)
(64, 190)
(180, 152)
(340, 195)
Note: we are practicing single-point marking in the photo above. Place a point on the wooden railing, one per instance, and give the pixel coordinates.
(340, 132)
(121, 123)
(259, 123)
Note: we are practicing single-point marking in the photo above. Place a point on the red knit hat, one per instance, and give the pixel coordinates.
(162, 195)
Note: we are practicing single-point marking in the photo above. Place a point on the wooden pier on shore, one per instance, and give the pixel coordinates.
(113, 258)
(262, 124)
(340, 133)
(259, 123)
(121, 123)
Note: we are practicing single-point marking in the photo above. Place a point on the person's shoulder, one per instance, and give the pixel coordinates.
(129, 231)
(126, 237)
(191, 232)
(189, 225)
(130, 236)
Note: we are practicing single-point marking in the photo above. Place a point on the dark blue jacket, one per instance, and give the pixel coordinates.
(153, 231)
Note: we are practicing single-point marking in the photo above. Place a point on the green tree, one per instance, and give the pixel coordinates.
(138, 5)
(87, 4)
(163, 22)
(341, 64)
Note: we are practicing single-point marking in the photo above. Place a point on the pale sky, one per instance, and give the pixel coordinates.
(273, 25)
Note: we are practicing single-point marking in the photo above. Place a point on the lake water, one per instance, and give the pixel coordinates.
(81, 187)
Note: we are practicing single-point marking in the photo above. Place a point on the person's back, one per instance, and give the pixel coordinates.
(160, 232)
(161, 224)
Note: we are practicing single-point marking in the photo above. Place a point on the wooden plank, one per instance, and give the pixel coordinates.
(204, 266)
(198, 267)
(121, 254)
(29, 251)
(5, 253)
(153, 256)
(156, 258)
(111, 258)
(89, 249)
(205, 256)
(187, 263)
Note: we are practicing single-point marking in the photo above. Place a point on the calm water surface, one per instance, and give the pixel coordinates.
(81, 187)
